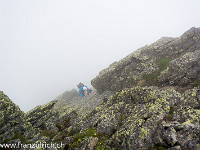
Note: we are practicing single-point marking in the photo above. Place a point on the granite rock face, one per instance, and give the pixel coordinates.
(149, 65)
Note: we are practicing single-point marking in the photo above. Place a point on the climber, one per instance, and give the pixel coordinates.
(83, 90)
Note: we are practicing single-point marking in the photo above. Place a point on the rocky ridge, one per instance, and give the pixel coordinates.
(168, 61)
(148, 100)
(13, 125)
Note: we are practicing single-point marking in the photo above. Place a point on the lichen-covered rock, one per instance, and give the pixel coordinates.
(183, 70)
(175, 148)
(57, 120)
(134, 116)
(145, 118)
(38, 116)
(13, 125)
(144, 66)
(51, 120)
(109, 125)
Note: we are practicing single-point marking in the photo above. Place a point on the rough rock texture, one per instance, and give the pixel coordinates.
(144, 66)
(40, 114)
(183, 70)
(13, 125)
(145, 111)
(135, 118)
(82, 106)
(55, 119)
(51, 121)
(143, 118)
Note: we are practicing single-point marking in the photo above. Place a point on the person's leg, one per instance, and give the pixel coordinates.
(83, 93)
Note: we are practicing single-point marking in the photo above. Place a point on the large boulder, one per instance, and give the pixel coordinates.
(51, 120)
(144, 66)
(40, 114)
(183, 70)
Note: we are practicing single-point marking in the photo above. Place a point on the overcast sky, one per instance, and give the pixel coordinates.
(48, 46)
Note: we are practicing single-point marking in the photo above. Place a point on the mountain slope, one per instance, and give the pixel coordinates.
(149, 100)
(13, 125)
(168, 61)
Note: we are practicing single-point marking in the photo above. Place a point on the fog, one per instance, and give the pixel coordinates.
(48, 46)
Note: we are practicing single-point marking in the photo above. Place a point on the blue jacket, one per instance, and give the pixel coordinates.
(80, 89)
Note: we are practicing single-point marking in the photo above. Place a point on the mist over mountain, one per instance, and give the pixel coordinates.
(150, 99)
(48, 47)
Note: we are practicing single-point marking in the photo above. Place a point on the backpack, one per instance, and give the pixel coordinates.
(80, 85)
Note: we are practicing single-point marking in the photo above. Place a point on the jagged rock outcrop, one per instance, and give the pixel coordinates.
(183, 70)
(135, 118)
(143, 118)
(144, 111)
(13, 125)
(55, 119)
(40, 114)
(51, 121)
(144, 66)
